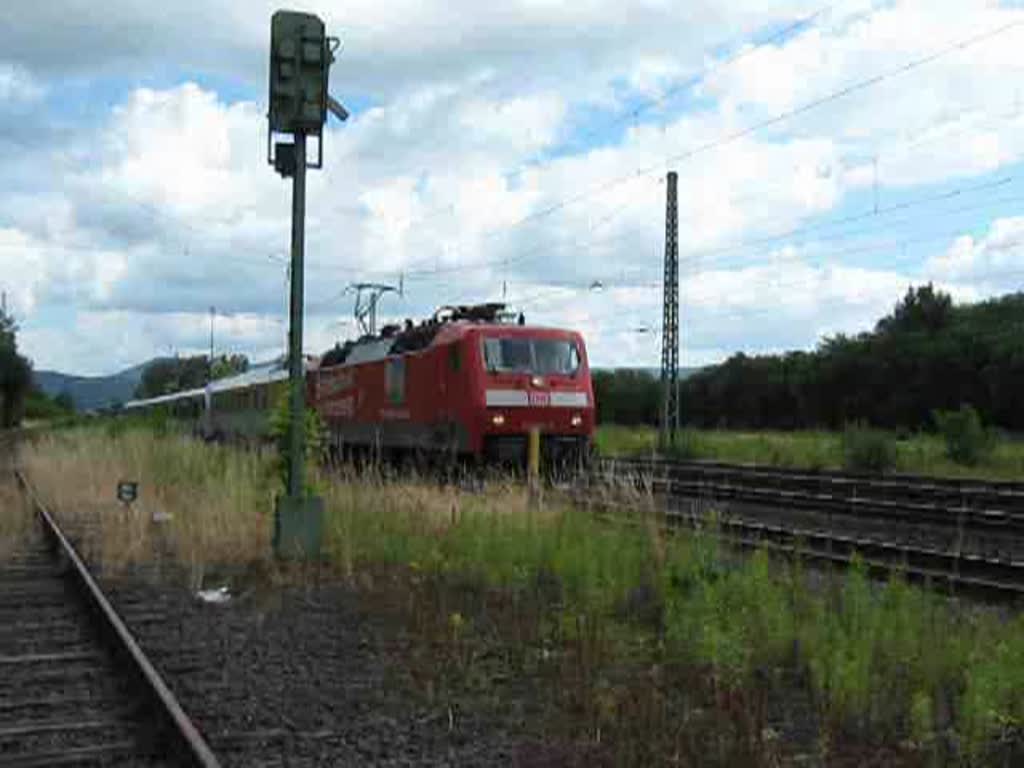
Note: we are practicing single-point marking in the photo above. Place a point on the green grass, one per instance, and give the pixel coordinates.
(881, 663)
(643, 630)
(919, 454)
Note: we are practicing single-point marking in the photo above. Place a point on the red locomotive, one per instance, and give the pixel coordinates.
(470, 382)
(467, 382)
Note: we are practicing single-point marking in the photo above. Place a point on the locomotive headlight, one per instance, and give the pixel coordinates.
(576, 420)
(498, 419)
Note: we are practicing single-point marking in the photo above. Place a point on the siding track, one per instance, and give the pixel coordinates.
(77, 689)
(966, 535)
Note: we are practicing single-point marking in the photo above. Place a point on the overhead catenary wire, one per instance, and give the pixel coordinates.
(698, 319)
(472, 266)
(817, 279)
(415, 274)
(702, 254)
(776, 119)
(969, 42)
(741, 52)
(780, 117)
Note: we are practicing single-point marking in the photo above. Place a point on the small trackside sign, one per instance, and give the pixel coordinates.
(127, 491)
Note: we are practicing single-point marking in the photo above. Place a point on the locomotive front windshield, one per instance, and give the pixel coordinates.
(547, 357)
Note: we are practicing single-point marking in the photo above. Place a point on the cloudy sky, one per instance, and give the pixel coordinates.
(829, 155)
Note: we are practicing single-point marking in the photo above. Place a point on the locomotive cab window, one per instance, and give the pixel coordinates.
(552, 356)
(548, 357)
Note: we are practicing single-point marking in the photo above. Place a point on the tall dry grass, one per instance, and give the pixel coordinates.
(15, 517)
(373, 520)
(200, 507)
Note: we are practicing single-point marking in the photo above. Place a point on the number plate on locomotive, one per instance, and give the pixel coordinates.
(540, 398)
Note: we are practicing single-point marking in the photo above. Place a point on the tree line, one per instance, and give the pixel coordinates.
(927, 355)
(19, 397)
(15, 374)
(176, 374)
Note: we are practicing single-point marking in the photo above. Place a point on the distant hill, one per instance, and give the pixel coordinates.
(91, 392)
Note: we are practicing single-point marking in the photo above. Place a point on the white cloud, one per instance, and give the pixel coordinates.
(458, 176)
(23, 269)
(994, 262)
(98, 342)
(17, 85)
(389, 47)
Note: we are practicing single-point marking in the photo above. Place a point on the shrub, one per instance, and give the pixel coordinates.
(967, 440)
(868, 450)
(686, 446)
(315, 438)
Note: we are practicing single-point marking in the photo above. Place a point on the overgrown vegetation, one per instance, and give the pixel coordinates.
(218, 497)
(15, 518)
(315, 440)
(868, 450)
(967, 440)
(41, 407)
(649, 647)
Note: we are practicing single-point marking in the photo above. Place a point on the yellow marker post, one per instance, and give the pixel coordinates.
(533, 466)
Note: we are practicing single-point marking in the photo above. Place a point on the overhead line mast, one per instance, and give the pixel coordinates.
(670, 321)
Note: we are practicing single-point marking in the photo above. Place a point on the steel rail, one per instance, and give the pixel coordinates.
(181, 729)
(985, 506)
(989, 521)
(959, 571)
(865, 479)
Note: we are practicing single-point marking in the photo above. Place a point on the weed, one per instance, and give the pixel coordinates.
(993, 699)
(314, 433)
(15, 518)
(967, 441)
(868, 450)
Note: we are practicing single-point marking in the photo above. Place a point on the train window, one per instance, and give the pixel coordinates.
(524, 355)
(512, 355)
(554, 356)
(394, 374)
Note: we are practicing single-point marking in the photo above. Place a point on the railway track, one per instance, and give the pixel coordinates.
(78, 690)
(834, 517)
(982, 506)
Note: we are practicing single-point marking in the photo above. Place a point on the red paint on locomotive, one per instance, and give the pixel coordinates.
(476, 389)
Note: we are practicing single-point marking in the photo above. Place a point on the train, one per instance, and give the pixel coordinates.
(469, 383)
